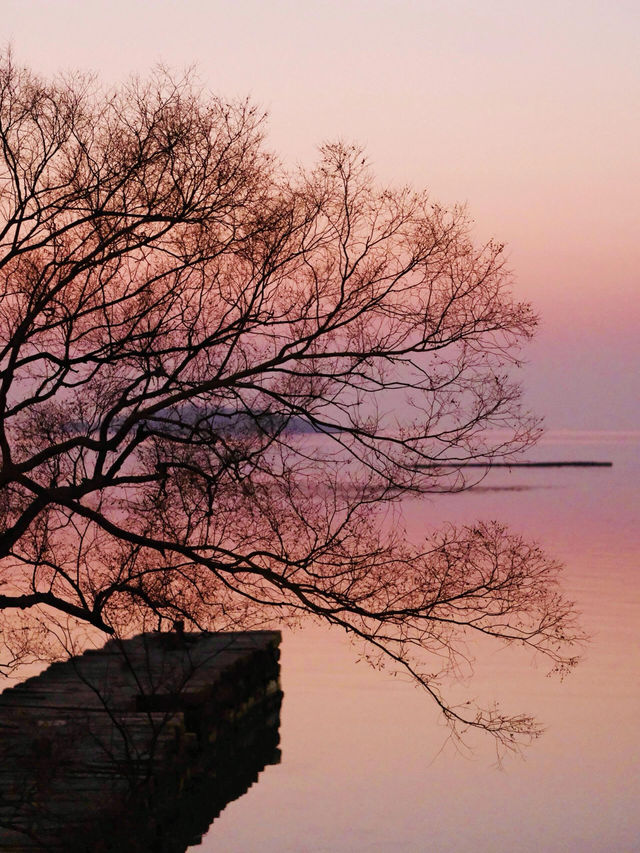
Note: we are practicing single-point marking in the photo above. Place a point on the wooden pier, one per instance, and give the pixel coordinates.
(139, 745)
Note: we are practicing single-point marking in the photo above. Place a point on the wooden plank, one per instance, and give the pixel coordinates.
(141, 720)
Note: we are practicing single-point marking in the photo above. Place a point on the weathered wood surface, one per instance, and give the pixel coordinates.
(138, 745)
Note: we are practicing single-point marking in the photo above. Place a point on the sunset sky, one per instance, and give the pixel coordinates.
(529, 112)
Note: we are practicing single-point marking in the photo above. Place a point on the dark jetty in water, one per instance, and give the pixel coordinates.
(139, 745)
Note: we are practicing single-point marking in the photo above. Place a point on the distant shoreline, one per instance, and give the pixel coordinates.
(517, 465)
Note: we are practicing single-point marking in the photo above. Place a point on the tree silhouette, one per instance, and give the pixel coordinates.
(218, 377)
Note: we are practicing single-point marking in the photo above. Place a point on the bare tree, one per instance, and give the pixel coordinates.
(217, 377)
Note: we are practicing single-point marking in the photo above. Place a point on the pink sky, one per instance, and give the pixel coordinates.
(528, 112)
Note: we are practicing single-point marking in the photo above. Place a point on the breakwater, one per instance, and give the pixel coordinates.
(139, 745)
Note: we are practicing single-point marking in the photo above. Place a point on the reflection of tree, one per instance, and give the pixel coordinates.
(216, 378)
(137, 746)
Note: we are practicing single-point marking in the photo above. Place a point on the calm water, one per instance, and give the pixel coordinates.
(365, 763)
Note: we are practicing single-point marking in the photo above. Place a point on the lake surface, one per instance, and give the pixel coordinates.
(366, 765)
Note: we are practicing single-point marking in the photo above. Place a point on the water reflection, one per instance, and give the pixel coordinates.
(139, 746)
(364, 768)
